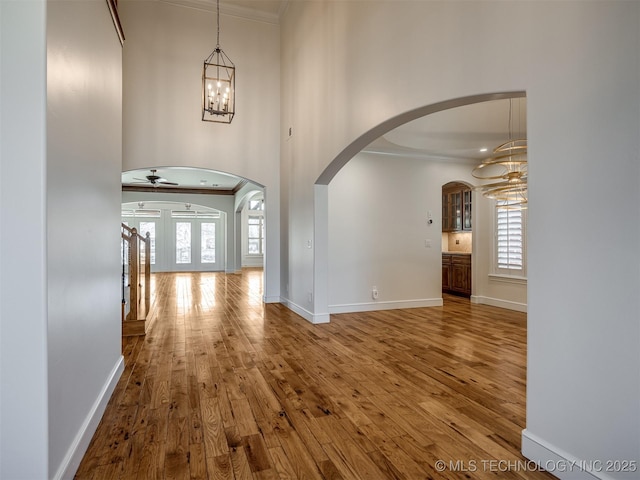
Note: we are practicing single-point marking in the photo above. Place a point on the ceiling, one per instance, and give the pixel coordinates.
(263, 10)
(464, 134)
(196, 180)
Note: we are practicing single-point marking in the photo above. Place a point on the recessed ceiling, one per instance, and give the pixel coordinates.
(186, 177)
(458, 134)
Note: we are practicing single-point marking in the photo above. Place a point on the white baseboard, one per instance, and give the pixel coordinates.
(76, 451)
(253, 264)
(560, 463)
(358, 307)
(392, 305)
(272, 299)
(497, 302)
(304, 313)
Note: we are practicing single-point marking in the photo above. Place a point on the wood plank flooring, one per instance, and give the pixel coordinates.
(225, 387)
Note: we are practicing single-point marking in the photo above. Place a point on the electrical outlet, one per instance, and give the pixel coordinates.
(310, 297)
(427, 243)
(374, 292)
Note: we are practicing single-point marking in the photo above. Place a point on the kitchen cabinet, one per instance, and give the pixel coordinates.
(456, 207)
(446, 273)
(466, 209)
(456, 273)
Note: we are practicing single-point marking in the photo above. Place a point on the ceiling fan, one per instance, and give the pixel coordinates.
(155, 180)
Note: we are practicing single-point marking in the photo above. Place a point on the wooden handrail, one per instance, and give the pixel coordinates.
(127, 227)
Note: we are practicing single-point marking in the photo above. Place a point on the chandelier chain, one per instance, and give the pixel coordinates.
(510, 116)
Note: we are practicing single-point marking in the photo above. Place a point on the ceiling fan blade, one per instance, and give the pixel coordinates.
(153, 179)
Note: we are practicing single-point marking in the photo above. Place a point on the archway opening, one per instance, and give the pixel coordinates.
(198, 214)
(384, 193)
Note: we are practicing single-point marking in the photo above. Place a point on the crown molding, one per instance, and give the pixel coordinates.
(190, 190)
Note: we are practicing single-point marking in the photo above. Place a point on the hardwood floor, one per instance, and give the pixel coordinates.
(223, 387)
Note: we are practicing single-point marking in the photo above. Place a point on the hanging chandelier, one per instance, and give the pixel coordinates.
(508, 167)
(218, 83)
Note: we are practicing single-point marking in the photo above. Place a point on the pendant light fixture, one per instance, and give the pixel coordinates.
(508, 165)
(218, 84)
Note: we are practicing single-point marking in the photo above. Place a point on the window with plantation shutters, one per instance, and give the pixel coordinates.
(510, 240)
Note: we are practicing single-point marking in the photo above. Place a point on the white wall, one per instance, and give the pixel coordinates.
(578, 63)
(163, 55)
(377, 231)
(377, 227)
(23, 293)
(84, 162)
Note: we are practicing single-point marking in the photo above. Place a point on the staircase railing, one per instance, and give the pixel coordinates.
(136, 280)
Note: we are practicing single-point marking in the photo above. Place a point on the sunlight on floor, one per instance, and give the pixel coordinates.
(183, 292)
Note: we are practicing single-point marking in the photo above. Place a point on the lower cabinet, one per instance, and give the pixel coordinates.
(446, 273)
(456, 273)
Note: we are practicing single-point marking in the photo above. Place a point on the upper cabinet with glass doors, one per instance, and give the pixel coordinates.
(456, 207)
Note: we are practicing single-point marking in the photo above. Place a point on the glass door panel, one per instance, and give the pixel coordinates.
(456, 211)
(467, 210)
(207, 242)
(183, 242)
(151, 228)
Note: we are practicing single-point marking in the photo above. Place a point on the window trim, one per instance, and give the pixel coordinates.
(514, 279)
(259, 215)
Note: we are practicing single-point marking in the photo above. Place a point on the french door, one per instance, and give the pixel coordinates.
(195, 245)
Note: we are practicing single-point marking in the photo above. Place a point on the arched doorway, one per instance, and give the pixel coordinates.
(201, 195)
(423, 238)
